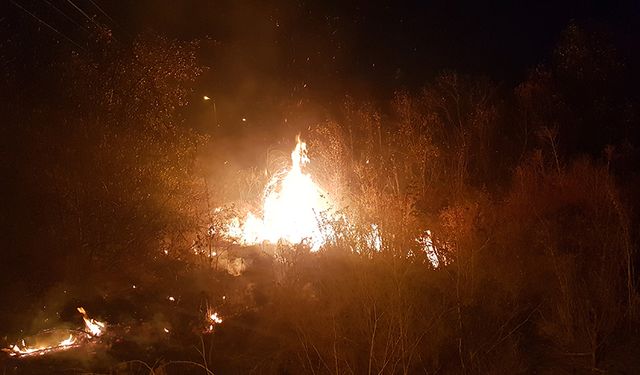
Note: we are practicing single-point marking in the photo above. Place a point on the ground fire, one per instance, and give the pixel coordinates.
(44, 344)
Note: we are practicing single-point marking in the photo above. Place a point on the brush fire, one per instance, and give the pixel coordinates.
(292, 207)
(212, 319)
(46, 343)
(295, 211)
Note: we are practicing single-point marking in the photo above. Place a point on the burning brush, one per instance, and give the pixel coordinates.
(291, 208)
(212, 318)
(24, 350)
(51, 341)
(295, 210)
(93, 326)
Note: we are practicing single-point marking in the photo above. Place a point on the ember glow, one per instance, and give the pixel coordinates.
(215, 318)
(292, 206)
(212, 319)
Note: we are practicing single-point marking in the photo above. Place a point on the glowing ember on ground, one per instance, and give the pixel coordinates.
(22, 349)
(291, 208)
(51, 344)
(93, 326)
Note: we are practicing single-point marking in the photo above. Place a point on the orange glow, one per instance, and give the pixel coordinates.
(292, 212)
(212, 319)
(23, 349)
(94, 327)
(291, 208)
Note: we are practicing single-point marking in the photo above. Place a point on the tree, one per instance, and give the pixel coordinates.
(107, 161)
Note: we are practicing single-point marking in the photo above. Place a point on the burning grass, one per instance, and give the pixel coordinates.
(296, 210)
(48, 342)
(297, 224)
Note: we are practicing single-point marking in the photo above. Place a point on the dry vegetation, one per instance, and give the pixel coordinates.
(535, 226)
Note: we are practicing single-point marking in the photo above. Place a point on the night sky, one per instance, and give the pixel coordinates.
(269, 60)
(325, 49)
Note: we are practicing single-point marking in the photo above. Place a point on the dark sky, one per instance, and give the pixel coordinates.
(262, 53)
(380, 43)
(383, 43)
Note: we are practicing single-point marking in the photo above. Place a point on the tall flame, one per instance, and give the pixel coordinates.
(291, 208)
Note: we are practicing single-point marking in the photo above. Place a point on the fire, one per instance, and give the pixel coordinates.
(426, 242)
(374, 241)
(68, 341)
(212, 319)
(22, 349)
(291, 208)
(215, 318)
(93, 329)
(93, 326)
